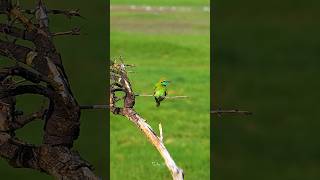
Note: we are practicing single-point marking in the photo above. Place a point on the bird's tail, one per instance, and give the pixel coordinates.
(157, 102)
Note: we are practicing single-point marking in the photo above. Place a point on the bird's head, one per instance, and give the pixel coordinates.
(165, 82)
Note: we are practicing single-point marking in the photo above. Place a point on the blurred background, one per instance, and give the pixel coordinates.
(84, 59)
(266, 61)
(171, 40)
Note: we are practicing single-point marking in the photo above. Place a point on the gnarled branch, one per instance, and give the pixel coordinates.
(120, 79)
(42, 72)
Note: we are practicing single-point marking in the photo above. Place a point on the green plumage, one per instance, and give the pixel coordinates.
(160, 91)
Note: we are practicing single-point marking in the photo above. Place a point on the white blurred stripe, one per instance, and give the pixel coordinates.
(160, 8)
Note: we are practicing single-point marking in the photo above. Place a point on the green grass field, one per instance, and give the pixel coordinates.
(84, 59)
(174, 46)
(267, 61)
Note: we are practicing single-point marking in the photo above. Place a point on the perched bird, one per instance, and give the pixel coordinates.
(160, 91)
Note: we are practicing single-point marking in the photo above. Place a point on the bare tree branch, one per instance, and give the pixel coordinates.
(167, 97)
(219, 112)
(74, 31)
(122, 80)
(67, 13)
(102, 106)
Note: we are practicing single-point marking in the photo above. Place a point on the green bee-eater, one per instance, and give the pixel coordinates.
(160, 91)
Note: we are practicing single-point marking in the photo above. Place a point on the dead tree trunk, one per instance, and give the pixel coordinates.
(41, 67)
(119, 82)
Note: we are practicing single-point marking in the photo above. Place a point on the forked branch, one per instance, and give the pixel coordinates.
(120, 82)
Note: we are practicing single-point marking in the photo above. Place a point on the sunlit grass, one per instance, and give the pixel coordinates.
(178, 55)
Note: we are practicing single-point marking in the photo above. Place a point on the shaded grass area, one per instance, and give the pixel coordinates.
(84, 59)
(177, 53)
(266, 62)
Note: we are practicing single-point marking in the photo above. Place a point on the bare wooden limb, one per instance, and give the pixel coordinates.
(122, 80)
(233, 111)
(67, 13)
(102, 106)
(21, 121)
(176, 172)
(167, 97)
(160, 131)
(105, 106)
(74, 31)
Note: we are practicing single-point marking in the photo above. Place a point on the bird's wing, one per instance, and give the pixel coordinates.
(155, 89)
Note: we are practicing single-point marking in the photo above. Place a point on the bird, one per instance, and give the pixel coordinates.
(160, 91)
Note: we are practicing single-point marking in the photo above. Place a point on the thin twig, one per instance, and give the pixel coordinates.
(74, 31)
(167, 97)
(160, 132)
(100, 106)
(233, 111)
(174, 97)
